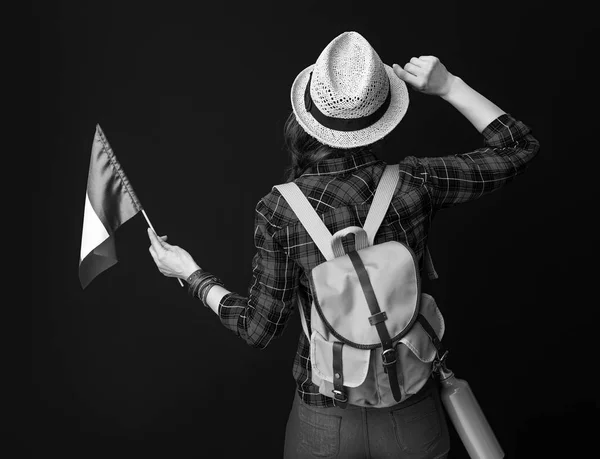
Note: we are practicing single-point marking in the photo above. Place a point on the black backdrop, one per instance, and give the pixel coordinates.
(193, 97)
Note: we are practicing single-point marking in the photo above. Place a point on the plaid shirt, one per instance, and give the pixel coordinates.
(341, 190)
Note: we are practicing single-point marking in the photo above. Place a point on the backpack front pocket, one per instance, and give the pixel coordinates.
(367, 383)
(417, 339)
(355, 362)
(416, 351)
(361, 386)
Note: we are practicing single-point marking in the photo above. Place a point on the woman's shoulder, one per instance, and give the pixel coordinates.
(274, 209)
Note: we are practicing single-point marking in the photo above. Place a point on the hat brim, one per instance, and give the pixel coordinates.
(351, 139)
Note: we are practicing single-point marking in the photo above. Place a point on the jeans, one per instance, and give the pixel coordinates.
(414, 428)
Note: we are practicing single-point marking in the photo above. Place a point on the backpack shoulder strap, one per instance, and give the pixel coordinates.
(314, 226)
(303, 320)
(308, 217)
(381, 201)
(379, 207)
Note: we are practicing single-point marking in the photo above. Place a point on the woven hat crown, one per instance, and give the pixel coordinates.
(349, 79)
(348, 98)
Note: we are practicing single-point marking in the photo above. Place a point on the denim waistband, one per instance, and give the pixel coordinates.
(431, 385)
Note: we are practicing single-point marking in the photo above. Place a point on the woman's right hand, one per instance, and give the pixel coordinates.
(171, 260)
(426, 74)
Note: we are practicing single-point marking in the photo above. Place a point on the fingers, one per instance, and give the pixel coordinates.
(404, 75)
(412, 68)
(417, 61)
(417, 72)
(158, 260)
(154, 240)
(157, 243)
(423, 62)
(153, 253)
(158, 246)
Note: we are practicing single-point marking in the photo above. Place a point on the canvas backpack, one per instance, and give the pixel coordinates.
(375, 337)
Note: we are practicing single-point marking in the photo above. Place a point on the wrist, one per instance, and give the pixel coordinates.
(188, 271)
(200, 283)
(452, 87)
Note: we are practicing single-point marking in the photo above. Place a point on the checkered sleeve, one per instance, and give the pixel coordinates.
(263, 315)
(508, 149)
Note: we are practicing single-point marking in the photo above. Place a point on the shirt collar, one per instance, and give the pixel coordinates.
(342, 164)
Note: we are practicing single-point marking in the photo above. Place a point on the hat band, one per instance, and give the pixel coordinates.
(344, 124)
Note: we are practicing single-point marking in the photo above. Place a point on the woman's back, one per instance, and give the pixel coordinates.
(341, 191)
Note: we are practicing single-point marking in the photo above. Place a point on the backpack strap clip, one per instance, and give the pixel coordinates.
(392, 359)
(439, 362)
(381, 316)
(441, 351)
(340, 398)
(339, 392)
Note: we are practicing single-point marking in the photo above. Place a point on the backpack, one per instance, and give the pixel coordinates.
(375, 337)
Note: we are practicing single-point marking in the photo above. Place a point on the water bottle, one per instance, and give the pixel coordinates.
(467, 417)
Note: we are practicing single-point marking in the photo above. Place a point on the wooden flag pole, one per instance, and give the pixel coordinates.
(152, 228)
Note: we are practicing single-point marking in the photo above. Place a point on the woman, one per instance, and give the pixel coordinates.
(342, 106)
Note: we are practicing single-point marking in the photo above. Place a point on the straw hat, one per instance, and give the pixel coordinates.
(349, 97)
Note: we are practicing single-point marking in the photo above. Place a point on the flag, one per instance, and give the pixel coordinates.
(109, 202)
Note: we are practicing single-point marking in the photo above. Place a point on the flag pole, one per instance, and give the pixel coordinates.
(151, 227)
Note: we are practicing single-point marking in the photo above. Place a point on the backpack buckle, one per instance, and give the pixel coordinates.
(384, 357)
(439, 362)
(339, 396)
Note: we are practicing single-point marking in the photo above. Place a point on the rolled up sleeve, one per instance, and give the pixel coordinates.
(508, 148)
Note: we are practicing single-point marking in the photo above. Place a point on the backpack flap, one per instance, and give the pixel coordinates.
(355, 361)
(340, 300)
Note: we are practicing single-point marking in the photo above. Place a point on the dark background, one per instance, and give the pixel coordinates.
(192, 97)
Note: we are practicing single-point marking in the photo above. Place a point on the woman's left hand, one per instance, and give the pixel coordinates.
(171, 260)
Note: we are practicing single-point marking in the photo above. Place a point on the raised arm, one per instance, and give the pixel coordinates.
(508, 143)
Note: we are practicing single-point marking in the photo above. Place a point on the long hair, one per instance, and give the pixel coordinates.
(306, 151)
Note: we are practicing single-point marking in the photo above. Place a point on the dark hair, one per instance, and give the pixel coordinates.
(305, 151)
